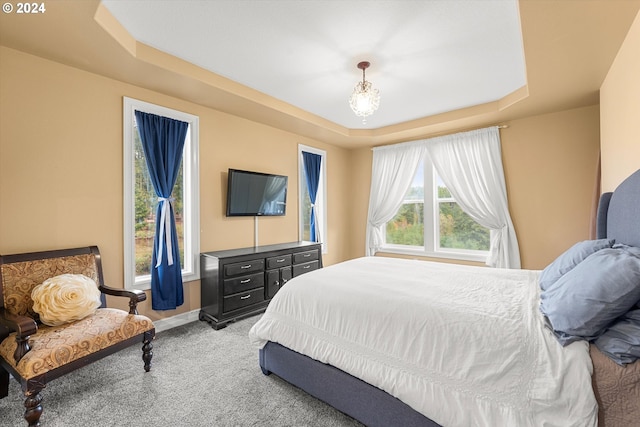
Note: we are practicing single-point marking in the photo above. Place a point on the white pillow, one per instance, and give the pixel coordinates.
(65, 298)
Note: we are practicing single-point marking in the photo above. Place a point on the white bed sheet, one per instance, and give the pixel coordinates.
(465, 346)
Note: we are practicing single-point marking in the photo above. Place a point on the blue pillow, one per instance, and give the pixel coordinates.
(570, 258)
(591, 296)
(621, 342)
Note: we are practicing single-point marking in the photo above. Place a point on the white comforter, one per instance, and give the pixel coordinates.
(465, 346)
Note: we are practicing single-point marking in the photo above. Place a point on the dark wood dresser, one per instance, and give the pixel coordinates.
(238, 283)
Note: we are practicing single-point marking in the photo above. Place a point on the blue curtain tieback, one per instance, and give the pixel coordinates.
(165, 225)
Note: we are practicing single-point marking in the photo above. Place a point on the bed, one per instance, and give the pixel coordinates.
(418, 343)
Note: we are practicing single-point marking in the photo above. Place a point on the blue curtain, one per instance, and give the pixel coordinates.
(312, 164)
(163, 140)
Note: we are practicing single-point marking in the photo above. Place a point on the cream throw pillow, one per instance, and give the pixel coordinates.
(65, 298)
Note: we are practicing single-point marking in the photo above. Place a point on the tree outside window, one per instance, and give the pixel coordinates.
(145, 210)
(448, 230)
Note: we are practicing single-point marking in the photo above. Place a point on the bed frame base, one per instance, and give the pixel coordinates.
(348, 394)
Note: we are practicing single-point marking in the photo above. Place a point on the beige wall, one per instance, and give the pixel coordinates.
(550, 166)
(360, 173)
(61, 168)
(620, 113)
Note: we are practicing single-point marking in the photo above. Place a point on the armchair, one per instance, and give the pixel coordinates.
(34, 353)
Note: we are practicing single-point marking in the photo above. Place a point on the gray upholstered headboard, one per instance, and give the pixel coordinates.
(619, 212)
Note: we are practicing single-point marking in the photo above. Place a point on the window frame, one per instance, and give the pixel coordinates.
(321, 197)
(431, 246)
(191, 193)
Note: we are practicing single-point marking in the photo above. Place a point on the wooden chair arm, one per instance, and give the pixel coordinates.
(23, 326)
(135, 296)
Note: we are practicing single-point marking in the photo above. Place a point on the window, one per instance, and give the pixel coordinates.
(456, 230)
(407, 227)
(431, 223)
(321, 198)
(140, 200)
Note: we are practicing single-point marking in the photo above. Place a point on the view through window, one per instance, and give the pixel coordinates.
(304, 202)
(146, 202)
(141, 201)
(448, 228)
(456, 229)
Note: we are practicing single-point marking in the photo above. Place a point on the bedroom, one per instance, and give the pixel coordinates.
(81, 114)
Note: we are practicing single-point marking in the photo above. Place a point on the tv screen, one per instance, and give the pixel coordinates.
(256, 194)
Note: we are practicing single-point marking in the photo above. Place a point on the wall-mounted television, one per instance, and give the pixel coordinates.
(256, 194)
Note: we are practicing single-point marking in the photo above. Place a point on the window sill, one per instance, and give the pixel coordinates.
(457, 256)
(145, 283)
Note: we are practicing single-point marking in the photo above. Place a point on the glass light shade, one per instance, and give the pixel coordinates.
(364, 100)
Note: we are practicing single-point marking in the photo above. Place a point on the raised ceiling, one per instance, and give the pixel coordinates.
(569, 45)
(428, 57)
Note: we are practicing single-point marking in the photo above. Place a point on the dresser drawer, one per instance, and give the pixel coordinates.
(305, 268)
(243, 268)
(243, 283)
(307, 256)
(278, 261)
(243, 299)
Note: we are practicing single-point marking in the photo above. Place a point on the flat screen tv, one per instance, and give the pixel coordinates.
(256, 194)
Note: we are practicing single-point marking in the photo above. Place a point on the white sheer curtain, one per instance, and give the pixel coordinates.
(393, 169)
(470, 165)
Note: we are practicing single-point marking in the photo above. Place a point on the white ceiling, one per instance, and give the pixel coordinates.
(427, 57)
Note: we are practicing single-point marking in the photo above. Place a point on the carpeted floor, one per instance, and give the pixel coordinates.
(199, 377)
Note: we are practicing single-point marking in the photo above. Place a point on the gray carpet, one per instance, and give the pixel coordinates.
(199, 377)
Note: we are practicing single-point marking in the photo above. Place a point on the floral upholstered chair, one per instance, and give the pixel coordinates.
(67, 326)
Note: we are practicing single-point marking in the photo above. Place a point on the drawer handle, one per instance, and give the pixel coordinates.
(244, 267)
(246, 296)
(245, 281)
(280, 260)
(306, 255)
(306, 267)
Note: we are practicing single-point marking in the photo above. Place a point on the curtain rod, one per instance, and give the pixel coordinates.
(417, 141)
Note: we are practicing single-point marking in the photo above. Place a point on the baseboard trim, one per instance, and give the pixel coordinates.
(177, 320)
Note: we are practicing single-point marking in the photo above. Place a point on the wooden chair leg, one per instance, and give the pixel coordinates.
(4, 382)
(147, 351)
(33, 407)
